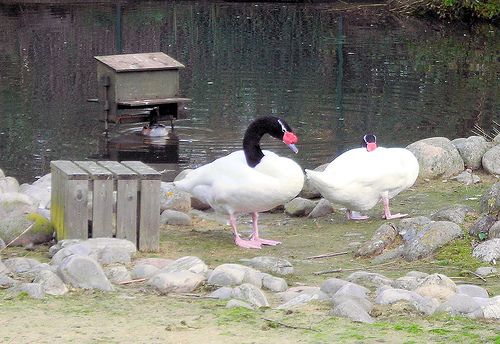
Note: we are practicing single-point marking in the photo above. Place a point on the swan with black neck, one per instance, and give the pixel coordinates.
(251, 180)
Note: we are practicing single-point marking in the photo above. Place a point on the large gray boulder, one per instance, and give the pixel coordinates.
(84, 272)
(13, 226)
(176, 282)
(40, 195)
(8, 184)
(471, 150)
(437, 286)
(491, 160)
(251, 294)
(488, 251)
(226, 275)
(175, 218)
(50, 282)
(299, 206)
(352, 310)
(460, 304)
(173, 198)
(437, 157)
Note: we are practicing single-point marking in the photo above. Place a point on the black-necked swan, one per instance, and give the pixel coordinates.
(154, 130)
(249, 180)
(360, 177)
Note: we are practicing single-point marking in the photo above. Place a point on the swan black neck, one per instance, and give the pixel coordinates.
(258, 128)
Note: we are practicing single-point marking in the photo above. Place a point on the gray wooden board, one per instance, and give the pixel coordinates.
(69, 169)
(149, 222)
(139, 62)
(75, 209)
(145, 171)
(126, 210)
(119, 170)
(94, 170)
(146, 102)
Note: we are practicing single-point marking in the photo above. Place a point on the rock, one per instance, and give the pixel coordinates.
(20, 264)
(12, 226)
(383, 237)
(437, 157)
(299, 207)
(14, 203)
(144, 271)
(222, 293)
(352, 289)
(62, 244)
(332, 285)
(174, 217)
(7, 282)
(84, 272)
(490, 201)
(274, 265)
(183, 281)
(44, 181)
(460, 304)
(492, 309)
(433, 236)
(491, 160)
(3, 268)
(496, 140)
(471, 150)
(308, 190)
(486, 271)
(410, 227)
(113, 255)
(482, 226)
(321, 209)
(488, 251)
(472, 290)
(250, 293)
(275, 284)
(362, 302)
(115, 250)
(454, 213)
(298, 301)
(467, 178)
(238, 303)
(493, 232)
(117, 274)
(189, 263)
(51, 283)
(173, 198)
(34, 290)
(368, 279)
(40, 195)
(437, 286)
(8, 184)
(160, 263)
(393, 295)
(407, 282)
(2, 244)
(352, 310)
(235, 274)
(389, 255)
(2, 174)
(293, 292)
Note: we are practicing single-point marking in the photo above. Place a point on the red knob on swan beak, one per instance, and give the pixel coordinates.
(290, 139)
(371, 146)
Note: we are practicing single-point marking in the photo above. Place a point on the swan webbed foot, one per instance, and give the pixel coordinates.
(393, 216)
(354, 215)
(246, 243)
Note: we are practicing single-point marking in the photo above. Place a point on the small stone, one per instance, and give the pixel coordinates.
(227, 275)
(238, 303)
(144, 271)
(486, 270)
(368, 279)
(175, 218)
(472, 290)
(252, 294)
(293, 292)
(494, 231)
(352, 310)
(7, 282)
(274, 265)
(437, 286)
(3, 269)
(467, 178)
(323, 208)
(455, 213)
(176, 282)
(275, 284)
(488, 251)
(222, 293)
(383, 237)
(490, 201)
(51, 283)
(117, 274)
(482, 226)
(299, 207)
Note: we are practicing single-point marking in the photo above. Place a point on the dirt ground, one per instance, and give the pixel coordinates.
(133, 314)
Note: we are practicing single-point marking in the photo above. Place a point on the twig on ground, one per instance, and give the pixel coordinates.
(132, 281)
(477, 275)
(290, 326)
(27, 229)
(328, 255)
(352, 269)
(328, 271)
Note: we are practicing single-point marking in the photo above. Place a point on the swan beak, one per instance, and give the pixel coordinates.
(293, 148)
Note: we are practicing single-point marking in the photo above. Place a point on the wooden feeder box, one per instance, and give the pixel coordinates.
(131, 85)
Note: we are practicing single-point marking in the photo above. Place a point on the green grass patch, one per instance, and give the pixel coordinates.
(458, 253)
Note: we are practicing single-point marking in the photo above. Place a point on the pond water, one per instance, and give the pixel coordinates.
(333, 73)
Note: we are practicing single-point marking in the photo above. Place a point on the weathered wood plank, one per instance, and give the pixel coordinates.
(126, 210)
(120, 171)
(75, 209)
(145, 171)
(149, 221)
(146, 102)
(102, 198)
(140, 62)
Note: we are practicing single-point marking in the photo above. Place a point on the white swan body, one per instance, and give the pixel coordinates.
(249, 180)
(358, 179)
(230, 186)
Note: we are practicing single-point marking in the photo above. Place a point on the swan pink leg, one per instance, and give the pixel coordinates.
(237, 239)
(354, 215)
(255, 235)
(387, 210)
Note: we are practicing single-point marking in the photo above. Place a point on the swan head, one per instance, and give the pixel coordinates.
(370, 142)
(154, 130)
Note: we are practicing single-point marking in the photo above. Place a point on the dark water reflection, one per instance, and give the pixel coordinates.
(333, 75)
